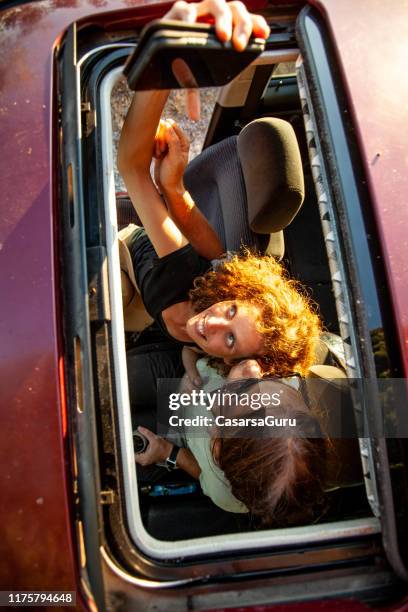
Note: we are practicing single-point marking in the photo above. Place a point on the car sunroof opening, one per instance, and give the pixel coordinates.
(172, 517)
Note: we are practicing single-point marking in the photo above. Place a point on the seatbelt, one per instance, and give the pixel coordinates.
(261, 77)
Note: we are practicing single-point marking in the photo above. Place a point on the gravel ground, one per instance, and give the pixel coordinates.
(121, 97)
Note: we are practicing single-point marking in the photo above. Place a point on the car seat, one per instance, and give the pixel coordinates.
(249, 187)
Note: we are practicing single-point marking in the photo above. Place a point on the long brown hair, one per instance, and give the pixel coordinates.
(279, 477)
(289, 324)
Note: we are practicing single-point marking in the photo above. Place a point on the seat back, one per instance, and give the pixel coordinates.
(251, 186)
(215, 180)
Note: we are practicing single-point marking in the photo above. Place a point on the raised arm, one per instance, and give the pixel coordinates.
(172, 226)
(137, 141)
(171, 152)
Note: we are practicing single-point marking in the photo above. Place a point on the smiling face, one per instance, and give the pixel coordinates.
(228, 330)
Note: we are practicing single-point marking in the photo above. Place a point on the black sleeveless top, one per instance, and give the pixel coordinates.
(164, 281)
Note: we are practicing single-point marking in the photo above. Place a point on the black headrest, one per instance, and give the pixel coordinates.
(273, 175)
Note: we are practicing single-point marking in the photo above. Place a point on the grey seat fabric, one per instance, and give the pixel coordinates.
(250, 187)
(216, 183)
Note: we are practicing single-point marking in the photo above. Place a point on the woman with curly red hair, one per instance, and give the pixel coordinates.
(287, 324)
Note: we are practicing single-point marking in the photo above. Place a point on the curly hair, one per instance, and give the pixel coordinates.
(289, 325)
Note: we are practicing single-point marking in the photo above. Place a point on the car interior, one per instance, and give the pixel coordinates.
(237, 181)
